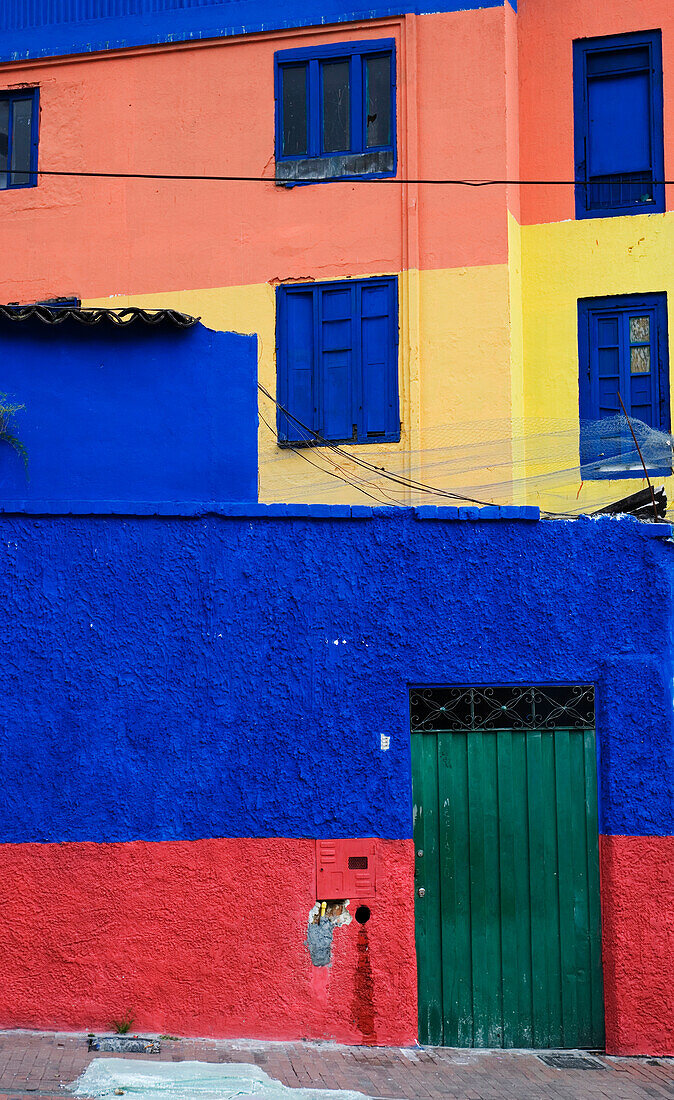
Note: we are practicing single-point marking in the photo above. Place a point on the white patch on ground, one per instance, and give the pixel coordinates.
(142, 1080)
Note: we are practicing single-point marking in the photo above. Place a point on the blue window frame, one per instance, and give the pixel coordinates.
(337, 361)
(623, 349)
(336, 111)
(19, 114)
(619, 149)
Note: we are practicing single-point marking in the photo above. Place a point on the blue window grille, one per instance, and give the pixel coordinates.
(19, 114)
(623, 350)
(336, 111)
(619, 150)
(337, 362)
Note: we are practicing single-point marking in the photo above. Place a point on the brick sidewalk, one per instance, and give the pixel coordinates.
(42, 1065)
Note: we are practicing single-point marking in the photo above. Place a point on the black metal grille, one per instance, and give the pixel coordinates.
(538, 707)
(562, 1060)
(358, 863)
(632, 189)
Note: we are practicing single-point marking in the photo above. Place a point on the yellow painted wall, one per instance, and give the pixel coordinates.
(562, 262)
(519, 491)
(454, 381)
(488, 371)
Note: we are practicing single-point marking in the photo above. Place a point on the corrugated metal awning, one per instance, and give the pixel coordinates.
(58, 315)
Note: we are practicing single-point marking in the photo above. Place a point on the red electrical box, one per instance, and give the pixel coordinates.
(345, 869)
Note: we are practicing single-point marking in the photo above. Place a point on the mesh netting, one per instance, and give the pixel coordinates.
(564, 468)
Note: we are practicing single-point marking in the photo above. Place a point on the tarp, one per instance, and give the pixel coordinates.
(145, 1080)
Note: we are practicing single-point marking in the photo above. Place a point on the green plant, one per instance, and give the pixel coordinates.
(7, 435)
(123, 1025)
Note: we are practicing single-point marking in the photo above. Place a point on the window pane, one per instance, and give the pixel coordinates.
(4, 140)
(294, 80)
(640, 330)
(378, 83)
(21, 142)
(336, 106)
(640, 362)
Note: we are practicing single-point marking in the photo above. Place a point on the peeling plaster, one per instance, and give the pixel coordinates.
(320, 930)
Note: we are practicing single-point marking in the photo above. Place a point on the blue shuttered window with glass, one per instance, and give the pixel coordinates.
(623, 353)
(337, 357)
(18, 138)
(335, 111)
(618, 125)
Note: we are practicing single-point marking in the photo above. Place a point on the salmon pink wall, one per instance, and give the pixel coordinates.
(210, 110)
(547, 29)
(185, 936)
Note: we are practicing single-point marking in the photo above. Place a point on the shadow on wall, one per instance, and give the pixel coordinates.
(132, 419)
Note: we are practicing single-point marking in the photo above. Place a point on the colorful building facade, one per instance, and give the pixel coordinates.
(207, 682)
(227, 698)
(488, 279)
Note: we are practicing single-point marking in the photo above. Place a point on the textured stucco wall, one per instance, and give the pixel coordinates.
(637, 878)
(201, 938)
(158, 658)
(174, 684)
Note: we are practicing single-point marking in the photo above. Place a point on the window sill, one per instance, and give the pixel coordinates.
(656, 207)
(292, 444)
(343, 166)
(18, 187)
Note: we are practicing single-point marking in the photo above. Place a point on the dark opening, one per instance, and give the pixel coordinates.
(362, 914)
(358, 863)
(294, 78)
(336, 106)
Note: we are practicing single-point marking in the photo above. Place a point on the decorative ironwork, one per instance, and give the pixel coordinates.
(538, 707)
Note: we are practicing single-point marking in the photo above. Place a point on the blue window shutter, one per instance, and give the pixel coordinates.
(337, 361)
(336, 324)
(620, 124)
(295, 356)
(379, 360)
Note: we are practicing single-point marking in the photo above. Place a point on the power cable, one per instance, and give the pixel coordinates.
(408, 483)
(325, 453)
(323, 470)
(274, 179)
(313, 438)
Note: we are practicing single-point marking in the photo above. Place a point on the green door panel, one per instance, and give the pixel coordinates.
(508, 924)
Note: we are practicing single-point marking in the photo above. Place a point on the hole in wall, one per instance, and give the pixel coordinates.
(362, 914)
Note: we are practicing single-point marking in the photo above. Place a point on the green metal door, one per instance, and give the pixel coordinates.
(508, 924)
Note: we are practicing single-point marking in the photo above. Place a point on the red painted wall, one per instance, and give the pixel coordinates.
(201, 938)
(638, 932)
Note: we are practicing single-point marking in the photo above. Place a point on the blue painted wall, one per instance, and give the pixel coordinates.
(132, 419)
(185, 678)
(48, 28)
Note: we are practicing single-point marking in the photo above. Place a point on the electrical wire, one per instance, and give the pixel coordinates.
(347, 481)
(385, 497)
(355, 179)
(313, 438)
